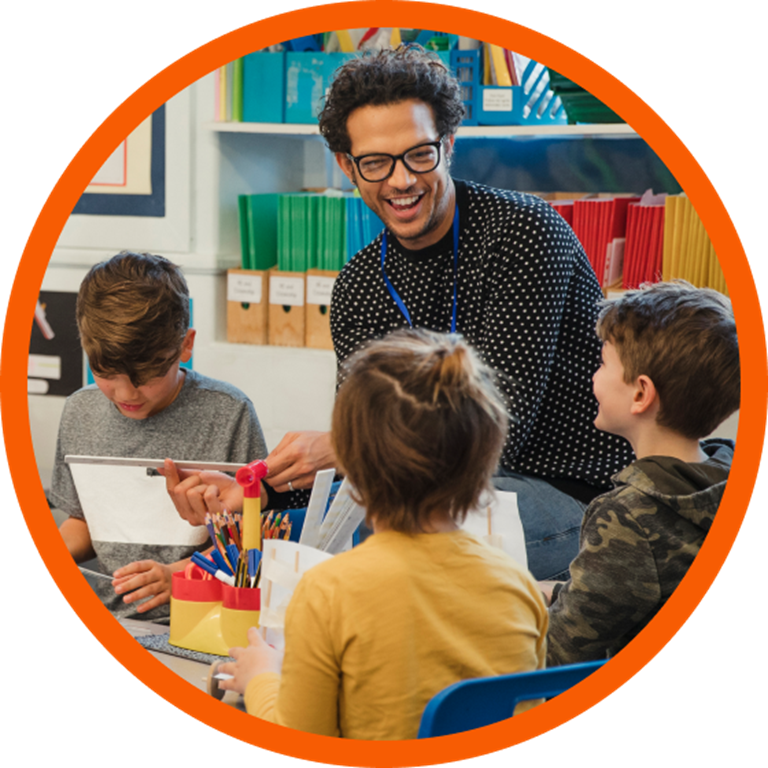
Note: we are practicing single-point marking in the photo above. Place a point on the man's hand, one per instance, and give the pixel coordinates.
(196, 493)
(141, 580)
(297, 459)
(248, 662)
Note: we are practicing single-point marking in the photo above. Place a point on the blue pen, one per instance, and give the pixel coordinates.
(209, 567)
(221, 562)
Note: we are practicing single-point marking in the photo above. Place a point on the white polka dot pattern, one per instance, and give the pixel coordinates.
(527, 301)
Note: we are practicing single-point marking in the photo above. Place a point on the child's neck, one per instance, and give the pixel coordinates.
(664, 442)
(436, 524)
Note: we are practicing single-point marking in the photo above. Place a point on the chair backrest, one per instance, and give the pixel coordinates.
(474, 703)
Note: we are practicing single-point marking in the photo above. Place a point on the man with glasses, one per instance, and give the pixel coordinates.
(499, 267)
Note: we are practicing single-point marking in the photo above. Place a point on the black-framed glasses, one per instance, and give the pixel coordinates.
(422, 158)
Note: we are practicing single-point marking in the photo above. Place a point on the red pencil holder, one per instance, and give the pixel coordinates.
(196, 606)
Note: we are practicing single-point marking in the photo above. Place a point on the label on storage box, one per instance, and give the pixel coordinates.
(319, 289)
(243, 288)
(497, 99)
(286, 290)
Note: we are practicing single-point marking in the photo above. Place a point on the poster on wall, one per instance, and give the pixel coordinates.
(55, 365)
(131, 182)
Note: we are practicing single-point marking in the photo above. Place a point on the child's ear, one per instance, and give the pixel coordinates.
(187, 346)
(645, 396)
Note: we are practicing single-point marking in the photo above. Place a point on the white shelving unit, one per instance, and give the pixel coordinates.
(479, 131)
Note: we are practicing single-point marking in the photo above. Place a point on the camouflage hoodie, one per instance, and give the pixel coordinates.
(637, 543)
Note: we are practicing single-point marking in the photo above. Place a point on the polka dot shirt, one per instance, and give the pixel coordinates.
(527, 301)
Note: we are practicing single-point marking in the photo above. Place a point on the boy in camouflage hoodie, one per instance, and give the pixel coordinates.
(669, 376)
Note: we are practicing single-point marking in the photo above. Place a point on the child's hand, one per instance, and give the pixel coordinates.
(196, 493)
(547, 587)
(257, 658)
(144, 579)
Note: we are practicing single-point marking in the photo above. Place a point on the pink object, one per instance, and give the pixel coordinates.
(250, 477)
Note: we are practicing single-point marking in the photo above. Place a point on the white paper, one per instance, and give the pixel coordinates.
(44, 367)
(282, 565)
(341, 521)
(37, 387)
(321, 490)
(506, 528)
(126, 505)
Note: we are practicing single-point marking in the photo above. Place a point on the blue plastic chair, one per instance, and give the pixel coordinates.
(474, 703)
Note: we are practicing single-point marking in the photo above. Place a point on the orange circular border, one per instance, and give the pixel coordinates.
(178, 76)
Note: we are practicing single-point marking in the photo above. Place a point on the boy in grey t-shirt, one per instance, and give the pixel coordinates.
(133, 318)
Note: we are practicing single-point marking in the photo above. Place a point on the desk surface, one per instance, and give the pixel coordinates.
(193, 672)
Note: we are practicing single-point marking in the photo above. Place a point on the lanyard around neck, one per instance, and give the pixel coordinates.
(396, 296)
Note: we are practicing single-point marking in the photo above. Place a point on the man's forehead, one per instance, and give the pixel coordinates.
(391, 128)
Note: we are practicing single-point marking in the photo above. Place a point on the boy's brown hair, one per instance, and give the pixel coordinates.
(418, 427)
(684, 339)
(133, 315)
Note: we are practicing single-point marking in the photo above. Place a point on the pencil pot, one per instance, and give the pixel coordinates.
(240, 610)
(196, 615)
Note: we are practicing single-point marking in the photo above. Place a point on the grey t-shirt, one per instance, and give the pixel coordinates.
(208, 421)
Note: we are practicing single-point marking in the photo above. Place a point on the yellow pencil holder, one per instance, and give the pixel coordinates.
(196, 606)
(240, 610)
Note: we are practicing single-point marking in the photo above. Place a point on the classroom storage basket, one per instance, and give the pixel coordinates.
(580, 105)
(531, 103)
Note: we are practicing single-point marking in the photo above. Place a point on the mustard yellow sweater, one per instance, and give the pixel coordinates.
(372, 634)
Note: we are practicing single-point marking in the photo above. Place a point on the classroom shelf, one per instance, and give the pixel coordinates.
(480, 131)
(283, 129)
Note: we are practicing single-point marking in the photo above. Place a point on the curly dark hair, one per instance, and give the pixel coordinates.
(388, 77)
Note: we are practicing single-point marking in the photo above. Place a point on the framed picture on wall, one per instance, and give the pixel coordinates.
(155, 215)
(132, 180)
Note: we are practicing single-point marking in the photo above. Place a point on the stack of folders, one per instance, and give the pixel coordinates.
(363, 225)
(601, 226)
(634, 240)
(257, 216)
(322, 231)
(645, 242)
(565, 209)
(666, 239)
(688, 252)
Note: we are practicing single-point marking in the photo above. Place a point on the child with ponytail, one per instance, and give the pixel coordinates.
(373, 633)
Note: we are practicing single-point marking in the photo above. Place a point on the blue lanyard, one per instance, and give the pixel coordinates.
(396, 296)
